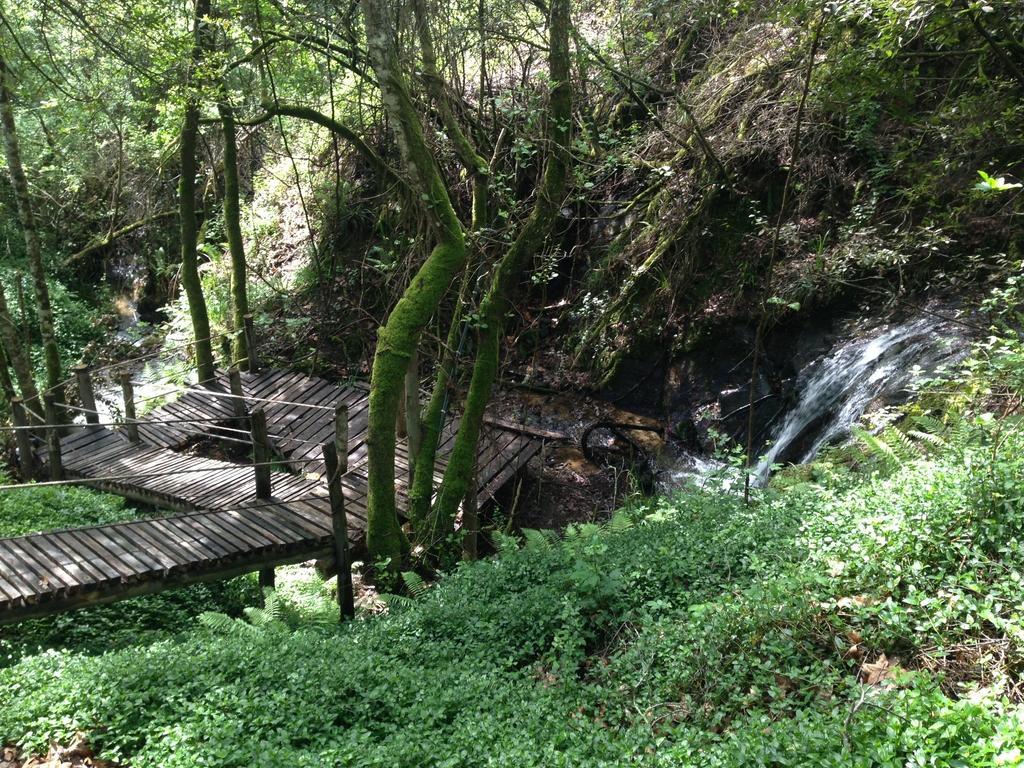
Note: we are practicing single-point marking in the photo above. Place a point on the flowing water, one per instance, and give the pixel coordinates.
(129, 273)
(157, 360)
(834, 391)
(873, 366)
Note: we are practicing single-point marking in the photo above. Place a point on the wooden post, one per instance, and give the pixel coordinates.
(85, 393)
(400, 420)
(26, 458)
(237, 397)
(131, 425)
(261, 457)
(260, 452)
(253, 363)
(266, 579)
(225, 348)
(52, 437)
(337, 464)
(341, 434)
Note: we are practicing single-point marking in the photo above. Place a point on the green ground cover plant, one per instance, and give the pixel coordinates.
(863, 618)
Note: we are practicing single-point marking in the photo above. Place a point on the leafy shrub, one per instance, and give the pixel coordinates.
(689, 631)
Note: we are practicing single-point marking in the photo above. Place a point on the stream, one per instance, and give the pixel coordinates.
(165, 363)
(871, 366)
(835, 391)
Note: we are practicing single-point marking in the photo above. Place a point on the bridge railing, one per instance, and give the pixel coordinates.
(43, 419)
(48, 427)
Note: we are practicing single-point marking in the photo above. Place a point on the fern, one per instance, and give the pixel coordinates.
(218, 622)
(537, 541)
(877, 448)
(902, 445)
(504, 544)
(620, 523)
(395, 602)
(929, 424)
(932, 440)
(271, 615)
(414, 583)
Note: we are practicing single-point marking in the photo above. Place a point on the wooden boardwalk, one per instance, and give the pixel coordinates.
(224, 529)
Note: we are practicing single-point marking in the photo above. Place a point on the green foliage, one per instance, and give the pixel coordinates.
(994, 183)
(31, 510)
(76, 321)
(690, 631)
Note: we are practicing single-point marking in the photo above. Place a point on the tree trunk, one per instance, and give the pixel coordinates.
(422, 491)
(6, 384)
(400, 335)
(413, 427)
(187, 211)
(233, 228)
(308, 113)
(497, 301)
(16, 355)
(108, 239)
(33, 249)
(475, 165)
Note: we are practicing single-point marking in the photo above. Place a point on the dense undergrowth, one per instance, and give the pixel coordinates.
(865, 616)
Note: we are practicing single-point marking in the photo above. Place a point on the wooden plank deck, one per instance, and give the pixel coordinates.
(300, 418)
(223, 530)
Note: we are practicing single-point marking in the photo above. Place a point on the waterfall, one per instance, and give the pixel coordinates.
(833, 392)
(128, 273)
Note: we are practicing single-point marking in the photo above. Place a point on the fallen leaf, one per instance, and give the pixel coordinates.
(873, 673)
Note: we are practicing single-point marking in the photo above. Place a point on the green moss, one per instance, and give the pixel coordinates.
(497, 302)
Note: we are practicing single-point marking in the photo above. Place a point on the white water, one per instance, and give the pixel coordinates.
(834, 391)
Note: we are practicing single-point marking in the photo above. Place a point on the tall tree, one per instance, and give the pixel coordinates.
(15, 354)
(476, 166)
(496, 303)
(6, 383)
(26, 215)
(428, 430)
(233, 228)
(399, 337)
(187, 201)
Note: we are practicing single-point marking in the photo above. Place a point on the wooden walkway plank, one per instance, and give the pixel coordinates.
(232, 531)
(84, 570)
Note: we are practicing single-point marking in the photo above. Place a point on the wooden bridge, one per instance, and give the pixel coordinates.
(234, 518)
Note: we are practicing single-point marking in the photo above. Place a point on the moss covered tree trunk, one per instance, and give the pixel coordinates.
(497, 301)
(475, 165)
(187, 209)
(233, 229)
(422, 491)
(6, 382)
(26, 215)
(398, 338)
(422, 488)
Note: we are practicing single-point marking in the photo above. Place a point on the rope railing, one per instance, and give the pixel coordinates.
(219, 420)
(51, 424)
(120, 423)
(163, 350)
(166, 350)
(334, 459)
(152, 475)
(202, 392)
